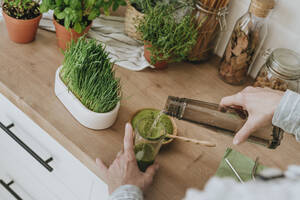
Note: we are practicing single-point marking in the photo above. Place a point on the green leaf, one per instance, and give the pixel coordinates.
(67, 22)
(90, 3)
(44, 8)
(75, 4)
(75, 15)
(78, 28)
(60, 15)
(58, 2)
(68, 11)
(67, 2)
(80, 15)
(99, 3)
(95, 13)
(56, 11)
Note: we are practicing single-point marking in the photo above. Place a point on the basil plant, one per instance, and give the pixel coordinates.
(78, 14)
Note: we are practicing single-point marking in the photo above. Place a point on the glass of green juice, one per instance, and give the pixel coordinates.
(149, 137)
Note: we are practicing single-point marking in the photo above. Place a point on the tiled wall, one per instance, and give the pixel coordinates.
(284, 27)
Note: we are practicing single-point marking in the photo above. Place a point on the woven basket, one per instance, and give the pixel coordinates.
(131, 21)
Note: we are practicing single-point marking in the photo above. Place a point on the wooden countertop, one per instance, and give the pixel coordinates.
(27, 78)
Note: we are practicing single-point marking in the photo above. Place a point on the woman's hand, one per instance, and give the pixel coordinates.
(260, 103)
(124, 169)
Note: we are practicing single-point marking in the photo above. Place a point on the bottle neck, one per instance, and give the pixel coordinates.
(175, 107)
(258, 11)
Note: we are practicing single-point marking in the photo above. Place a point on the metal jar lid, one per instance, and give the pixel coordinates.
(285, 63)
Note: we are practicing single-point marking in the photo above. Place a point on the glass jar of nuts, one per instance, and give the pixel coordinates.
(281, 71)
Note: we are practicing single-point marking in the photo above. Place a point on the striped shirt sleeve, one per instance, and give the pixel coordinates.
(127, 192)
(287, 114)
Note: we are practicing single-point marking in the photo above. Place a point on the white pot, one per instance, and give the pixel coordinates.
(83, 115)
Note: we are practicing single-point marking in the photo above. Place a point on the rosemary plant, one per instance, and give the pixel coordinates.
(171, 38)
(142, 5)
(22, 9)
(89, 74)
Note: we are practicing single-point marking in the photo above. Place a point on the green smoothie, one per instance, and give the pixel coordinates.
(150, 115)
(145, 155)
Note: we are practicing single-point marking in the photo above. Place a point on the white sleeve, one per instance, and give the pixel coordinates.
(127, 192)
(229, 189)
(287, 114)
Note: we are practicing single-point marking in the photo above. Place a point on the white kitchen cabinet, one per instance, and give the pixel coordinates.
(69, 180)
(5, 195)
(25, 185)
(99, 190)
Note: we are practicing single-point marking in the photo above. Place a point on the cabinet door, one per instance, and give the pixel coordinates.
(99, 190)
(69, 178)
(20, 160)
(4, 194)
(23, 183)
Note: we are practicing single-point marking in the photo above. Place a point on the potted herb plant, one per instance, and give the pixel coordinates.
(167, 38)
(87, 86)
(22, 19)
(73, 18)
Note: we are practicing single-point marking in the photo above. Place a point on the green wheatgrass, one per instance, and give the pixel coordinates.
(89, 74)
(151, 114)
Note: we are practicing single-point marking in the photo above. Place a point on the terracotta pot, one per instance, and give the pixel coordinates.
(147, 55)
(65, 36)
(21, 31)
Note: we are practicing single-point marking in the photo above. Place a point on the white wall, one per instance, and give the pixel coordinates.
(284, 27)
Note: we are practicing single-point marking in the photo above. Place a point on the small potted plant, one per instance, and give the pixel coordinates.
(87, 86)
(22, 19)
(73, 18)
(167, 37)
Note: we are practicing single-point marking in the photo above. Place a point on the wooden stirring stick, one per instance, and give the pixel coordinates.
(200, 142)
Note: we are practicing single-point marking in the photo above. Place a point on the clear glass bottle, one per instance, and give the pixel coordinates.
(281, 71)
(226, 120)
(245, 42)
(147, 143)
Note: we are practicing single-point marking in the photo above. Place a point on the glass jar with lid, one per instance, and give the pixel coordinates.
(245, 42)
(210, 19)
(281, 71)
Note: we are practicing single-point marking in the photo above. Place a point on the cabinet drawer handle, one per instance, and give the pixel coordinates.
(7, 187)
(45, 163)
